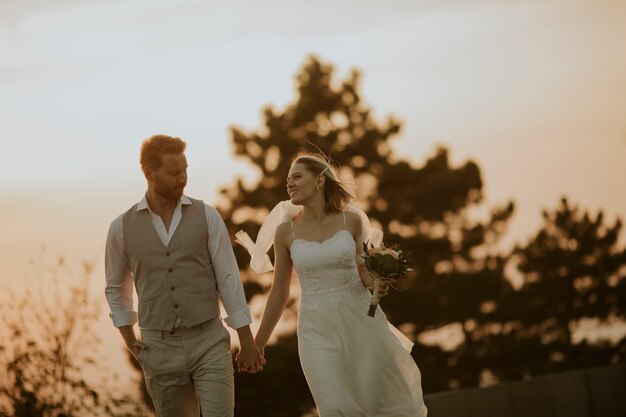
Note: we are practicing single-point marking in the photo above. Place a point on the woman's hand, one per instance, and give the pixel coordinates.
(381, 288)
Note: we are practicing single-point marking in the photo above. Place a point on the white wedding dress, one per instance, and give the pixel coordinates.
(355, 365)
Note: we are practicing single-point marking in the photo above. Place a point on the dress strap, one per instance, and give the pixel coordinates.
(344, 221)
(293, 235)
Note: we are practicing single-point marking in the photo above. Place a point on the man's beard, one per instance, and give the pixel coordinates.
(170, 193)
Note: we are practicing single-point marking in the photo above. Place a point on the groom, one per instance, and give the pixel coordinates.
(177, 254)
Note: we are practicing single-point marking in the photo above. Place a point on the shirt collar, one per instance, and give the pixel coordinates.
(143, 204)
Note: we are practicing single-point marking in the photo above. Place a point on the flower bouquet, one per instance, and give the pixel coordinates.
(386, 266)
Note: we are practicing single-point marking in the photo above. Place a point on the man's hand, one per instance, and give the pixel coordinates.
(135, 347)
(132, 343)
(250, 358)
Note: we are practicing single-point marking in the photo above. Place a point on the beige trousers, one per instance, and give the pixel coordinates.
(189, 369)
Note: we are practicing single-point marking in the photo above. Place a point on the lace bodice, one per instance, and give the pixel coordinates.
(327, 271)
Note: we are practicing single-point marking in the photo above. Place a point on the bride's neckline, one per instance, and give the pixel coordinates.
(323, 241)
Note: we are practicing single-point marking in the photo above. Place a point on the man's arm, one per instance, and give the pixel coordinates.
(119, 286)
(231, 291)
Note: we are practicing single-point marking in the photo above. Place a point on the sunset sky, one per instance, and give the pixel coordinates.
(534, 91)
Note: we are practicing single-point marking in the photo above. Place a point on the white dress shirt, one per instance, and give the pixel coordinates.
(119, 280)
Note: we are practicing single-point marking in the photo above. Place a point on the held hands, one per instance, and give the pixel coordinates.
(250, 358)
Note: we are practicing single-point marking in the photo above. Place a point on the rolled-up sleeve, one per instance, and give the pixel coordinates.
(226, 270)
(119, 280)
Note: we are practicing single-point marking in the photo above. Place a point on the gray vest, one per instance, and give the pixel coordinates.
(175, 281)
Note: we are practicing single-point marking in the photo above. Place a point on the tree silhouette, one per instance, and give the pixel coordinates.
(47, 351)
(573, 269)
(425, 209)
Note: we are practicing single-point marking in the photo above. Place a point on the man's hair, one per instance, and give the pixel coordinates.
(337, 195)
(155, 146)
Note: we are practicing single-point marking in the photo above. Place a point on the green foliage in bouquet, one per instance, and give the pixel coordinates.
(386, 264)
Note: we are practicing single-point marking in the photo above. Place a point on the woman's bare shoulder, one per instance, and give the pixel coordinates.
(352, 218)
(283, 232)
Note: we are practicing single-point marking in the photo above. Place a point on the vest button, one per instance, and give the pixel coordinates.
(170, 270)
(173, 288)
(175, 305)
(167, 254)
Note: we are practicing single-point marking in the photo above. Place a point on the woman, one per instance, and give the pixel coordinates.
(355, 365)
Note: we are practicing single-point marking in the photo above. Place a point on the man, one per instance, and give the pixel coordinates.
(176, 252)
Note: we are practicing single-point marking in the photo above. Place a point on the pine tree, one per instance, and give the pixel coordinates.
(425, 209)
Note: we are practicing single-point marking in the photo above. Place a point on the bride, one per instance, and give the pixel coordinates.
(355, 365)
